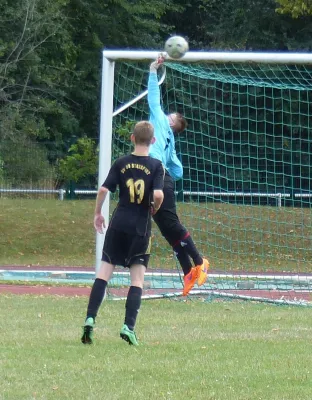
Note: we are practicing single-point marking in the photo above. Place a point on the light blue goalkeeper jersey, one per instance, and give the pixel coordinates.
(164, 147)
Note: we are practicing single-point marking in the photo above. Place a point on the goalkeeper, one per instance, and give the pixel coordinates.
(167, 220)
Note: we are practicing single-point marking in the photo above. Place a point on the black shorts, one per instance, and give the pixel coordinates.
(125, 249)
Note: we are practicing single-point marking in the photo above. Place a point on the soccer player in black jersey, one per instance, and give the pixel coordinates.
(140, 179)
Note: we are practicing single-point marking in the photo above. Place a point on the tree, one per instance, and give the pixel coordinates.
(115, 24)
(31, 79)
(241, 25)
(81, 163)
(296, 8)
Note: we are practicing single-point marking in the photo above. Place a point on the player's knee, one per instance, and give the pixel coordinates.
(137, 283)
(106, 270)
(174, 233)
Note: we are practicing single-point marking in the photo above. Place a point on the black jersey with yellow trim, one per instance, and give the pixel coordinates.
(136, 177)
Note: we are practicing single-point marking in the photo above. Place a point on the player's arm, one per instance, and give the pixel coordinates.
(157, 116)
(158, 185)
(153, 94)
(99, 221)
(109, 185)
(158, 197)
(174, 166)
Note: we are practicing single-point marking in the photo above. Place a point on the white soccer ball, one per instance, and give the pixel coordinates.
(176, 47)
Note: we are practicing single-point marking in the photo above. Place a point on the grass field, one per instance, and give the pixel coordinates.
(255, 238)
(191, 351)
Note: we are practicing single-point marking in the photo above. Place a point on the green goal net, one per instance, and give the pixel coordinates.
(246, 192)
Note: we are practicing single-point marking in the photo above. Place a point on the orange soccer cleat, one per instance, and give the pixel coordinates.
(203, 272)
(190, 279)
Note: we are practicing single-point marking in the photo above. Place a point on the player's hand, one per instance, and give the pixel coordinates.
(158, 62)
(153, 209)
(161, 58)
(99, 223)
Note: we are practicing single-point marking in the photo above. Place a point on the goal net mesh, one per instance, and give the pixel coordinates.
(245, 194)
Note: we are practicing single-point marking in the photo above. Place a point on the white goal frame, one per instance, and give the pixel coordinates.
(107, 92)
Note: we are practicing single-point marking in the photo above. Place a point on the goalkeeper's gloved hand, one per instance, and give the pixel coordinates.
(158, 62)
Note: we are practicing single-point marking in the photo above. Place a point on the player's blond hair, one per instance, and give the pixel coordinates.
(143, 133)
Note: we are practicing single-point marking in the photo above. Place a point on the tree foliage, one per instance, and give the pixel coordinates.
(50, 54)
(296, 8)
(81, 162)
(32, 68)
(242, 25)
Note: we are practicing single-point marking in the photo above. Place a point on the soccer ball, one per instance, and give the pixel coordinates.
(176, 47)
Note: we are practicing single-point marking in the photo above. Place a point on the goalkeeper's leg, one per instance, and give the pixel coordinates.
(180, 239)
(184, 248)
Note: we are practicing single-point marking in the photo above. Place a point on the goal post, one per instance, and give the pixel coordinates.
(232, 95)
(105, 143)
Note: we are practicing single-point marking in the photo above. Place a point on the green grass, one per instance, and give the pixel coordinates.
(191, 351)
(47, 232)
(52, 232)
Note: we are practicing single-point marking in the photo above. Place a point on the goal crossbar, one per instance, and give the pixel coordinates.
(214, 57)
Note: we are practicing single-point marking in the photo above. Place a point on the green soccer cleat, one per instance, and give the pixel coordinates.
(129, 336)
(87, 335)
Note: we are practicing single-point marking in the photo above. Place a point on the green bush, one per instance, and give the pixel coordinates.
(81, 163)
(25, 164)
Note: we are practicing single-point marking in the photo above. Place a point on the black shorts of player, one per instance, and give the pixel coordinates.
(125, 249)
(166, 217)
